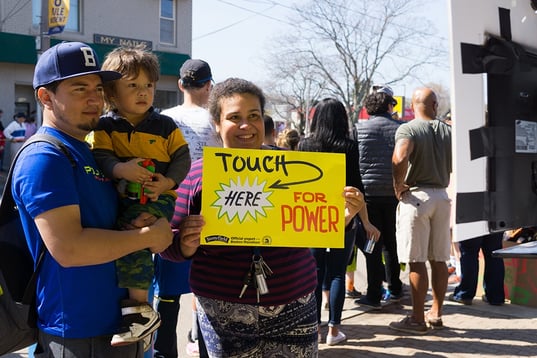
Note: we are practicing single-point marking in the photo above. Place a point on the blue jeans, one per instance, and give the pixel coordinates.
(333, 264)
(494, 268)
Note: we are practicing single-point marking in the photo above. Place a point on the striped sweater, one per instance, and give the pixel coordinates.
(217, 272)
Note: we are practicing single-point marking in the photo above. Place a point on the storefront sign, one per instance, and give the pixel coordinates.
(120, 41)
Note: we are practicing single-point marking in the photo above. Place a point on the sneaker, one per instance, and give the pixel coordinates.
(464, 301)
(139, 321)
(353, 293)
(386, 294)
(485, 299)
(190, 338)
(364, 301)
(333, 340)
(192, 349)
(408, 326)
(396, 297)
(148, 341)
(434, 323)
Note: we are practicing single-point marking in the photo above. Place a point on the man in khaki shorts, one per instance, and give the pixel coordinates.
(421, 166)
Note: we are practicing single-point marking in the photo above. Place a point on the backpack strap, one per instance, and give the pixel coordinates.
(7, 203)
(8, 206)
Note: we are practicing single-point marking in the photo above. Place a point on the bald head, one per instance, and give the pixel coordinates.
(424, 103)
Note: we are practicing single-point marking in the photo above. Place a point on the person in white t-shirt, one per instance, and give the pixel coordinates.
(192, 117)
(15, 134)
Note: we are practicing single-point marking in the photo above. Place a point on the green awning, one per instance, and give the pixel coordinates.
(15, 48)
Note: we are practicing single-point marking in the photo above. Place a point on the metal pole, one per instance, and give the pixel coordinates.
(44, 37)
(42, 43)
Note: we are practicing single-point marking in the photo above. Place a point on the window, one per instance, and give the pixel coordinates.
(73, 22)
(166, 99)
(167, 21)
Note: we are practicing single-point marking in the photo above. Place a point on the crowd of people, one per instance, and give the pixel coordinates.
(13, 136)
(126, 217)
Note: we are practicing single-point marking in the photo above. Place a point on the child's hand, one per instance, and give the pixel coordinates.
(132, 171)
(158, 186)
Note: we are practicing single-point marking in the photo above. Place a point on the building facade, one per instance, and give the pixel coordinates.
(164, 26)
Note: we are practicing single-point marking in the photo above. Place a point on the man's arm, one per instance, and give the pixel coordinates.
(73, 245)
(401, 154)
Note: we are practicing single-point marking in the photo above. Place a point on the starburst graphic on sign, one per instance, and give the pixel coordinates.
(239, 200)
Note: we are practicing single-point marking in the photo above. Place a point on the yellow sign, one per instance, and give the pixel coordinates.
(399, 107)
(58, 14)
(273, 198)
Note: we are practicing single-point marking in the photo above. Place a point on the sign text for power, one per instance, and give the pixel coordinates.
(309, 212)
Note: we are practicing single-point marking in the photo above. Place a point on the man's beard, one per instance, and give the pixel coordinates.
(88, 127)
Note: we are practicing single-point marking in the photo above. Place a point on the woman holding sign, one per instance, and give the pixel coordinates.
(330, 133)
(239, 315)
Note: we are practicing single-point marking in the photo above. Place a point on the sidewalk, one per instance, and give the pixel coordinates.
(479, 330)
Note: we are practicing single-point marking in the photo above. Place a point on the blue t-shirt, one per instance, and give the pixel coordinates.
(76, 302)
(171, 278)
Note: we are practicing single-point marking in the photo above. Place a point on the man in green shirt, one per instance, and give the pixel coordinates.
(421, 166)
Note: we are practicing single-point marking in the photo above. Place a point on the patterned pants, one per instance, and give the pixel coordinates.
(250, 331)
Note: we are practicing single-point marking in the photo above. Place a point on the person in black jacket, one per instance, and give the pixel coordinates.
(376, 139)
(330, 134)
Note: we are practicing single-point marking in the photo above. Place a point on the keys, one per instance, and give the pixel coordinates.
(257, 275)
(247, 281)
(262, 266)
(261, 283)
(261, 271)
(266, 269)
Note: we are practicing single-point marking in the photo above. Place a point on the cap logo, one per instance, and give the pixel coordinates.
(191, 74)
(89, 57)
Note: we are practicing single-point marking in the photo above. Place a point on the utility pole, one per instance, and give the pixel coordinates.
(42, 43)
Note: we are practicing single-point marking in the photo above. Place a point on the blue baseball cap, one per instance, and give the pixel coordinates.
(67, 60)
(195, 71)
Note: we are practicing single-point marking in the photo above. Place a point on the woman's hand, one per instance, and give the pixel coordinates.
(371, 231)
(354, 202)
(189, 234)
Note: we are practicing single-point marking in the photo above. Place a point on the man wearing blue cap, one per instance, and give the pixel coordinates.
(72, 210)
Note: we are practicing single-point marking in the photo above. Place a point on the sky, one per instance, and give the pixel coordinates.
(233, 36)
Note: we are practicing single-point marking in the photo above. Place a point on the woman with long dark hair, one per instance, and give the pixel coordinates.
(330, 134)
